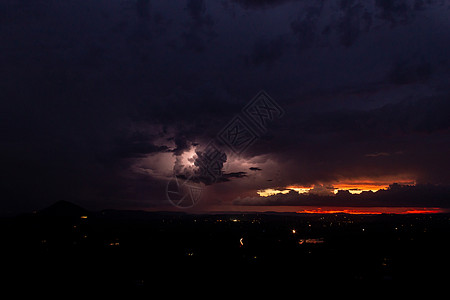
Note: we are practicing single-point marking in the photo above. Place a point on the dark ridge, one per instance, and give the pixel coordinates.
(63, 209)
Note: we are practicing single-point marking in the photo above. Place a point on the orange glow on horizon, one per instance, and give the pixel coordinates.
(342, 211)
(424, 211)
(353, 186)
(357, 187)
(373, 210)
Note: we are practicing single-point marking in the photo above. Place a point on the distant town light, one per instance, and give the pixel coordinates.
(83, 217)
(311, 241)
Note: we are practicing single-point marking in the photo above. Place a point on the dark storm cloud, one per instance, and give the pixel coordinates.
(350, 19)
(356, 19)
(261, 3)
(143, 8)
(409, 72)
(305, 26)
(140, 144)
(406, 117)
(182, 145)
(402, 11)
(200, 29)
(197, 10)
(267, 51)
(90, 90)
(399, 11)
(255, 169)
(314, 26)
(241, 174)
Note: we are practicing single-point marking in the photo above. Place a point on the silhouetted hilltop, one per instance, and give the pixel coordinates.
(63, 209)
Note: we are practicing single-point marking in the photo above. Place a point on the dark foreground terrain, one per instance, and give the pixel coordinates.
(67, 246)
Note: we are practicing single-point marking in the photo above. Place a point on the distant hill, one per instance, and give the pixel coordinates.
(63, 209)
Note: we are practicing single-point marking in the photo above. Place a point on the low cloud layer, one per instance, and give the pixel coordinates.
(395, 196)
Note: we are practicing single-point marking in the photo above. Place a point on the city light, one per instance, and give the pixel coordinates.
(311, 241)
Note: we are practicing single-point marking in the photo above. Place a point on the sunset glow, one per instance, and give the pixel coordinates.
(354, 187)
(373, 210)
(358, 187)
(270, 192)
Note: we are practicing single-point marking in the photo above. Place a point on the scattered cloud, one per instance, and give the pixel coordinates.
(395, 196)
(255, 169)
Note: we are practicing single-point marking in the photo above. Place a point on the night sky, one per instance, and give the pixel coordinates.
(104, 103)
